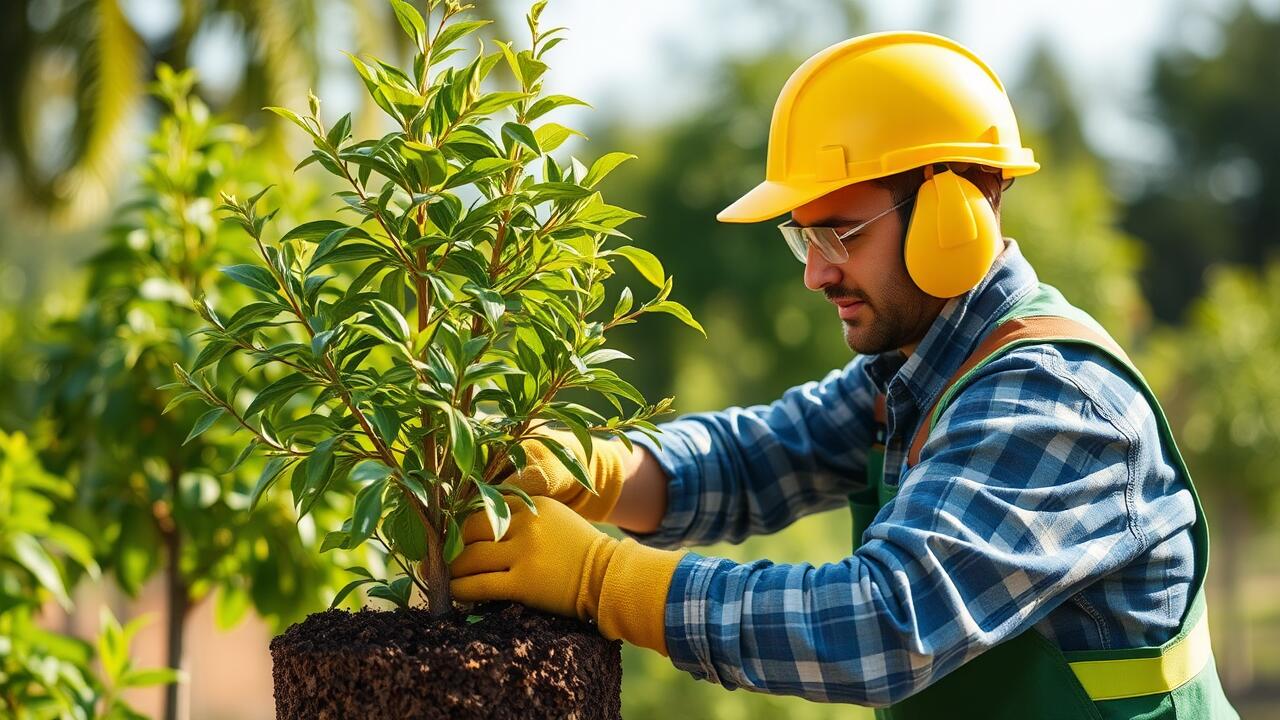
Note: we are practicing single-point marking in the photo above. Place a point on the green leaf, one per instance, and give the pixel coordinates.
(452, 542)
(511, 61)
(334, 539)
(644, 261)
(277, 393)
(331, 242)
(397, 591)
(491, 303)
(477, 170)
(339, 133)
(244, 455)
(559, 191)
(321, 341)
(451, 33)
(346, 590)
(462, 441)
(134, 554)
(552, 135)
(416, 487)
(605, 165)
(480, 371)
(230, 606)
(149, 677)
(368, 470)
(411, 20)
(205, 422)
(509, 489)
(405, 530)
(315, 231)
(179, 399)
(625, 301)
(568, 459)
(75, 545)
(391, 319)
(387, 422)
(607, 381)
(530, 69)
(367, 512)
(429, 160)
(604, 355)
(113, 649)
(496, 508)
(320, 464)
(671, 307)
(294, 118)
(549, 103)
(253, 276)
(211, 353)
(28, 553)
(523, 135)
(493, 102)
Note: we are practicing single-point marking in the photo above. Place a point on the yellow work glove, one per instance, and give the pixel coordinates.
(545, 475)
(559, 563)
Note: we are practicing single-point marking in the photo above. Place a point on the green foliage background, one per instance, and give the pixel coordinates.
(1180, 266)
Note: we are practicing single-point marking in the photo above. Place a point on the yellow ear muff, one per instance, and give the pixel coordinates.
(953, 237)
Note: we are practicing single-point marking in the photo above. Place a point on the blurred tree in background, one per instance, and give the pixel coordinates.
(45, 674)
(1209, 224)
(76, 72)
(1218, 377)
(154, 494)
(1213, 198)
(1064, 216)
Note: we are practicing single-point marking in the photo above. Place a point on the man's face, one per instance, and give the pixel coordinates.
(880, 306)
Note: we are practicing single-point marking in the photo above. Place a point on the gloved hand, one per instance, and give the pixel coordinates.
(545, 475)
(557, 562)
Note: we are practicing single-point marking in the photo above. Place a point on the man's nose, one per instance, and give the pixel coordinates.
(818, 271)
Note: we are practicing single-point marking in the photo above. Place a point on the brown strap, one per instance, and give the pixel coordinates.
(1039, 327)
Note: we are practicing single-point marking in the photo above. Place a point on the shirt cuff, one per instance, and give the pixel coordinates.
(682, 491)
(696, 619)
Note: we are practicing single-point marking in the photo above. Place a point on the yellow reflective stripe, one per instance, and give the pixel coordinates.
(1132, 677)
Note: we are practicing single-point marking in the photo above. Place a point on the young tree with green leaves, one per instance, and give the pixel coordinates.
(155, 497)
(44, 674)
(457, 307)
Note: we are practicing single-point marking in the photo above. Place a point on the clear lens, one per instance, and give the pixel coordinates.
(824, 238)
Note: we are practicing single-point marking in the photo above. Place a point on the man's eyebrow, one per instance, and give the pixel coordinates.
(839, 221)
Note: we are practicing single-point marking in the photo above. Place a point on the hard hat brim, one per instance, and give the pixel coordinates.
(770, 199)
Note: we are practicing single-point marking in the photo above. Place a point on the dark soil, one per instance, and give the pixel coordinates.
(512, 663)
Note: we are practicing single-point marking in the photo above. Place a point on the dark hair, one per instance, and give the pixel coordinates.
(904, 185)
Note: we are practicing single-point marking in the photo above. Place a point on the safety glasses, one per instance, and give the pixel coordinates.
(828, 240)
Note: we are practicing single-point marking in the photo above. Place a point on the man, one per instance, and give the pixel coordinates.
(1027, 539)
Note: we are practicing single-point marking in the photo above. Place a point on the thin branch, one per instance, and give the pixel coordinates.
(396, 557)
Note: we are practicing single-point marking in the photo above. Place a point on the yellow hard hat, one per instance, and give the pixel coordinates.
(881, 104)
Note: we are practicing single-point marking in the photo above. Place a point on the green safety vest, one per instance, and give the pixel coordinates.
(1028, 676)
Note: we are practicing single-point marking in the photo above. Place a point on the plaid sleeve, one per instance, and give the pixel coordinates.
(1018, 502)
(746, 471)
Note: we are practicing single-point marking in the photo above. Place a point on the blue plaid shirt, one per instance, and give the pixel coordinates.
(1043, 498)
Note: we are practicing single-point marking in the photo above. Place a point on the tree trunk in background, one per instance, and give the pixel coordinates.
(177, 705)
(177, 696)
(1237, 661)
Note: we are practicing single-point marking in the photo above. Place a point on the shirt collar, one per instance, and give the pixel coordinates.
(956, 332)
